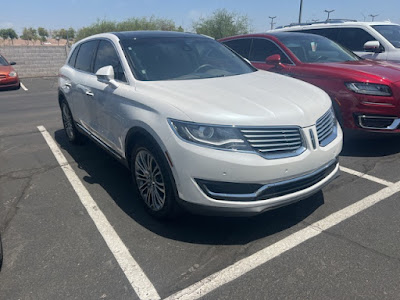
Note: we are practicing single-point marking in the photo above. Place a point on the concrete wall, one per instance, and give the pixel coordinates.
(35, 61)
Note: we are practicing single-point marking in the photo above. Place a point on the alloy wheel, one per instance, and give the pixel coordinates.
(149, 180)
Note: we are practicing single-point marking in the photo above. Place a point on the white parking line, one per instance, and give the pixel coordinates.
(137, 278)
(366, 176)
(247, 264)
(23, 87)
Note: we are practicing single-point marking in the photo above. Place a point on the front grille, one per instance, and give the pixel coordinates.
(2, 76)
(326, 128)
(274, 142)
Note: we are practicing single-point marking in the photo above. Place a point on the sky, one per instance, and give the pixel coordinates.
(56, 14)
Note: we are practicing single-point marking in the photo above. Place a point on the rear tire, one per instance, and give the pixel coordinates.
(73, 135)
(153, 180)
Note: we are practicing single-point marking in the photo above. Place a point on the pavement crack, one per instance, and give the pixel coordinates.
(357, 244)
(19, 134)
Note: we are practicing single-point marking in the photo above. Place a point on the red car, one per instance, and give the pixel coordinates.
(365, 94)
(8, 76)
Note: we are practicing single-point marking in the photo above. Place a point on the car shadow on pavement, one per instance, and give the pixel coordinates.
(370, 146)
(115, 179)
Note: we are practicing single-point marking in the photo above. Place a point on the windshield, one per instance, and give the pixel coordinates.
(179, 58)
(3, 62)
(390, 32)
(311, 48)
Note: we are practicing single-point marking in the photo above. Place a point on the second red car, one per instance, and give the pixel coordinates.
(365, 93)
(8, 76)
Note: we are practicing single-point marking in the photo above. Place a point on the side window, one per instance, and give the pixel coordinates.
(241, 46)
(107, 56)
(85, 56)
(354, 38)
(262, 48)
(72, 59)
(330, 33)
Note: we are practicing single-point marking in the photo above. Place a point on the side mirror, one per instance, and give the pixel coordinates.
(106, 75)
(273, 60)
(373, 46)
(12, 63)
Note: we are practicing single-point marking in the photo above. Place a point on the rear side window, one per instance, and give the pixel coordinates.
(85, 56)
(354, 38)
(107, 56)
(72, 59)
(262, 48)
(241, 46)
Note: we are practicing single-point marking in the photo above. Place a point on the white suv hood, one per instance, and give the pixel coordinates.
(255, 99)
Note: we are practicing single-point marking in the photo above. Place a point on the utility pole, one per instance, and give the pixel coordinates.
(272, 22)
(329, 12)
(373, 17)
(301, 9)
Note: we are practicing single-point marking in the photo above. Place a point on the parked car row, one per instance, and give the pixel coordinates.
(8, 76)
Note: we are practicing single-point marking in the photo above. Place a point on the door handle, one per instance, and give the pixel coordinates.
(89, 93)
(68, 85)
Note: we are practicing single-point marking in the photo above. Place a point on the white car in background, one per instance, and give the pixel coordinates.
(196, 124)
(372, 40)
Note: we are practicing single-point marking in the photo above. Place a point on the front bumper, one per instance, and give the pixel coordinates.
(275, 182)
(9, 82)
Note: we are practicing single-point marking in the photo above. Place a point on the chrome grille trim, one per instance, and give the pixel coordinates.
(275, 142)
(326, 128)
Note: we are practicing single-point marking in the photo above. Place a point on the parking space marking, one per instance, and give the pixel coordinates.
(366, 176)
(134, 273)
(23, 87)
(259, 258)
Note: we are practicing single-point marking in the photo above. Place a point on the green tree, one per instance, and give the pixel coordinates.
(43, 34)
(29, 35)
(62, 33)
(222, 23)
(12, 35)
(144, 23)
(71, 33)
(4, 34)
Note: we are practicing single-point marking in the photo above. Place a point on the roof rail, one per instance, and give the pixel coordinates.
(318, 22)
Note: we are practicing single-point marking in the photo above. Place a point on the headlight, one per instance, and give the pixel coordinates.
(369, 88)
(12, 74)
(219, 137)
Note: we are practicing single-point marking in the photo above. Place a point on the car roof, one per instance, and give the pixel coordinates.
(330, 24)
(276, 34)
(153, 34)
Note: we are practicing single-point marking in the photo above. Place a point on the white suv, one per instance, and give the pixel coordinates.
(196, 124)
(372, 40)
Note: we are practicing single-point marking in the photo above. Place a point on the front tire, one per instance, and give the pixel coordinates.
(153, 181)
(73, 135)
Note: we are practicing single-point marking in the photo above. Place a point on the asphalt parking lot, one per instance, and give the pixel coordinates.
(74, 229)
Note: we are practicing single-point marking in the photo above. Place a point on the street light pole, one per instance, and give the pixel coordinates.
(373, 17)
(301, 9)
(329, 12)
(272, 22)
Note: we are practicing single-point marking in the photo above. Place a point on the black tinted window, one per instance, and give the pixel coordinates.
(262, 48)
(85, 56)
(107, 56)
(3, 62)
(354, 38)
(72, 59)
(330, 33)
(241, 46)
